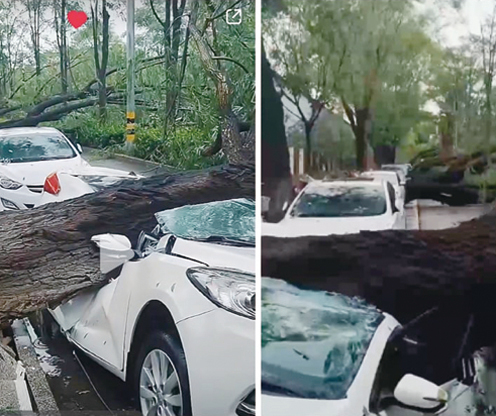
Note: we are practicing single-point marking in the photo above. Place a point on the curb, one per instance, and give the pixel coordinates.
(42, 395)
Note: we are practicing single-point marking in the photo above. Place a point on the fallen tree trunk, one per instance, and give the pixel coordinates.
(46, 255)
(405, 273)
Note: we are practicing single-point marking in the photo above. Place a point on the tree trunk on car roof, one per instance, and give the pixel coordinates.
(404, 273)
(47, 255)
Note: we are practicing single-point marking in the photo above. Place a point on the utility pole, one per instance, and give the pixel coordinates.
(130, 114)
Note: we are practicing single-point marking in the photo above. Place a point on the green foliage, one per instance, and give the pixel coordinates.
(189, 129)
(181, 148)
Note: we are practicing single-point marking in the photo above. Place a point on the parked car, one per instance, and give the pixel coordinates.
(403, 171)
(343, 356)
(391, 176)
(177, 321)
(341, 207)
(63, 185)
(27, 156)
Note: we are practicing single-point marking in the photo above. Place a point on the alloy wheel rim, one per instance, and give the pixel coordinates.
(160, 391)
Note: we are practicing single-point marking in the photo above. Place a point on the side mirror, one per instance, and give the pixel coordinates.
(79, 148)
(417, 392)
(115, 250)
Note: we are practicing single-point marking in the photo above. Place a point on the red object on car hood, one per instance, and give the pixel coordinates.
(52, 184)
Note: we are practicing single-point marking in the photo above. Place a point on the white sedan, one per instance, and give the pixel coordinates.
(341, 207)
(178, 318)
(325, 354)
(27, 156)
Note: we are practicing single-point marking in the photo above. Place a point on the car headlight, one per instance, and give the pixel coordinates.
(229, 289)
(7, 183)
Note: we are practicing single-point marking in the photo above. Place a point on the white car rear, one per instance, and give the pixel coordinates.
(27, 157)
(391, 176)
(340, 207)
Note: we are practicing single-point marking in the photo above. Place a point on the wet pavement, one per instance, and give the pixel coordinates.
(78, 384)
(99, 158)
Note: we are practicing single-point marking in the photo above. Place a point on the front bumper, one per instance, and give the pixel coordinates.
(21, 198)
(220, 354)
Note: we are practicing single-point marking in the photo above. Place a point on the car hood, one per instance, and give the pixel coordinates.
(89, 170)
(217, 255)
(296, 227)
(282, 406)
(34, 173)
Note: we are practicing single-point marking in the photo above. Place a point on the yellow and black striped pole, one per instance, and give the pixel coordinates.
(130, 127)
(130, 105)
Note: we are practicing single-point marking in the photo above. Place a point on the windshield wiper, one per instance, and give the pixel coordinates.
(228, 240)
(274, 388)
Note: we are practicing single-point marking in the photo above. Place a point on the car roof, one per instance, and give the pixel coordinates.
(19, 131)
(347, 182)
(381, 172)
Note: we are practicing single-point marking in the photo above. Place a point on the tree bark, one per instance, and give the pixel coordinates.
(47, 255)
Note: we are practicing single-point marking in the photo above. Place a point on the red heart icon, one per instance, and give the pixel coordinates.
(77, 18)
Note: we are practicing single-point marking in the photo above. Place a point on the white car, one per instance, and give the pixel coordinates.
(402, 169)
(391, 176)
(27, 156)
(326, 354)
(340, 207)
(177, 320)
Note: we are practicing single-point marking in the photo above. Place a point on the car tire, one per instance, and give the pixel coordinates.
(157, 348)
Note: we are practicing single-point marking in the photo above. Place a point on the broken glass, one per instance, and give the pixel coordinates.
(233, 219)
(313, 342)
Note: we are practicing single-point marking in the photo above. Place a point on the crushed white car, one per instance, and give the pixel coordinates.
(341, 207)
(177, 320)
(27, 156)
(341, 357)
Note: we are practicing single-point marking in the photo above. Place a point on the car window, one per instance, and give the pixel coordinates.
(392, 195)
(341, 201)
(34, 148)
(313, 342)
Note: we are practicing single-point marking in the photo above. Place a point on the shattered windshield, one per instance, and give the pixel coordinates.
(220, 221)
(313, 342)
(341, 201)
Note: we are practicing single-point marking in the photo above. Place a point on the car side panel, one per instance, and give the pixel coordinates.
(162, 278)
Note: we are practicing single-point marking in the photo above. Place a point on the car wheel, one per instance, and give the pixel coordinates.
(161, 377)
